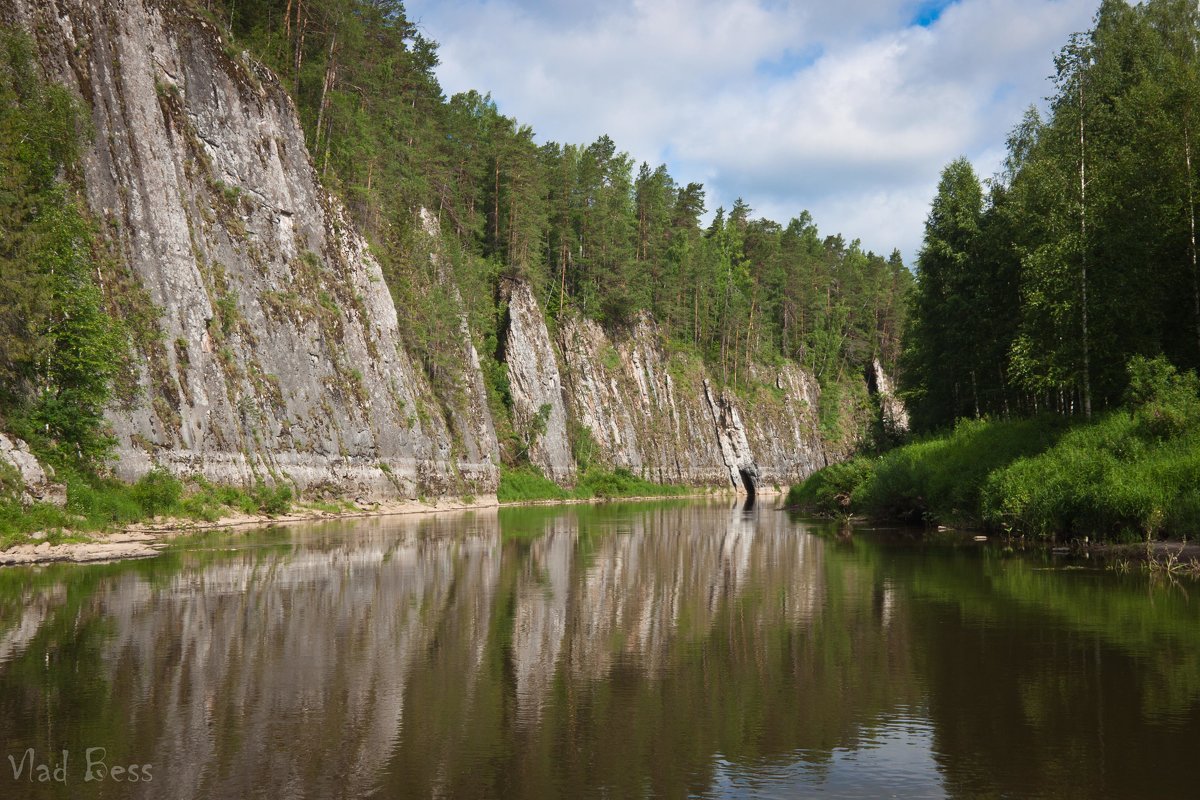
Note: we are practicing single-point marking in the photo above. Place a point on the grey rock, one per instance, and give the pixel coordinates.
(535, 384)
(37, 482)
(659, 415)
(895, 415)
(280, 356)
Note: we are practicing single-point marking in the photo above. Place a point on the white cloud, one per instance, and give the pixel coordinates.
(846, 109)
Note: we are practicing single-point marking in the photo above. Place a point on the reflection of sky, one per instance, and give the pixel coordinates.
(894, 759)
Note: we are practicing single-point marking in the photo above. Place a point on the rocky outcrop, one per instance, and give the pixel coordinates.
(648, 414)
(781, 424)
(24, 478)
(659, 414)
(895, 415)
(538, 410)
(267, 339)
(271, 350)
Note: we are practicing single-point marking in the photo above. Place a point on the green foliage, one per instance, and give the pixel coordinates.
(621, 483)
(158, 492)
(59, 349)
(97, 504)
(940, 479)
(1084, 252)
(1129, 475)
(526, 483)
(828, 492)
(1164, 402)
(584, 448)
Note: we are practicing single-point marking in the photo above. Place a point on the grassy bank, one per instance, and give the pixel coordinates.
(97, 504)
(527, 483)
(1131, 474)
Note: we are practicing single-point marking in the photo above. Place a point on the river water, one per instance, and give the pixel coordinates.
(688, 648)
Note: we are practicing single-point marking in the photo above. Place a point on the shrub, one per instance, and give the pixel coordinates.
(941, 479)
(829, 491)
(157, 492)
(525, 483)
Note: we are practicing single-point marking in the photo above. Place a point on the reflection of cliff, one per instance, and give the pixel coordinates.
(540, 620)
(284, 674)
(669, 577)
(617, 648)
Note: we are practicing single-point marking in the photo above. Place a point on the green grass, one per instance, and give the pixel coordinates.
(527, 483)
(939, 479)
(1123, 477)
(96, 504)
(828, 492)
(1107, 480)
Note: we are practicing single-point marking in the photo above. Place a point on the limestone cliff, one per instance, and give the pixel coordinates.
(539, 413)
(659, 415)
(267, 338)
(273, 350)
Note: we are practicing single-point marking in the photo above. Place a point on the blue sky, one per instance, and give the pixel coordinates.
(847, 109)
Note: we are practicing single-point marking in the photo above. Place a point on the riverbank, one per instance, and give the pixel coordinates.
(1127, 477)
(148, 539)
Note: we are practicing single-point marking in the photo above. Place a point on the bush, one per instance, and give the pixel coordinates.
(829, 491)
(158, 492)
(1131, 474)
(1113, 479)
(518, 484)
(1164, 402)
(941, 479)
(272, 500)
(527, 483)
(621, 483)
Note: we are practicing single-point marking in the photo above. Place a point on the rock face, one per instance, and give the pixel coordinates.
(268, 343)
(273, 352)
(31, 482)
(659, 415)
(895, 415)
(536, 387)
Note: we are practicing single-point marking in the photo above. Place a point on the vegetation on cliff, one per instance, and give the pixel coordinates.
(60, 348)
(63, 346)
(527, 484)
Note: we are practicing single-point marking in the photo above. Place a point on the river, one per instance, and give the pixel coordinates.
(686, 648)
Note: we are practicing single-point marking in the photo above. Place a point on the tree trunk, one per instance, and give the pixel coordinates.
(326, 85)
(1187, 155)
(1087, 376)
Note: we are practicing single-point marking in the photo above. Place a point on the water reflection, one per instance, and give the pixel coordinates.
(670, 650)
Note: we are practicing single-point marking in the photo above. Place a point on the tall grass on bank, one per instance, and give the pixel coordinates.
(96, 504)
(527, 483)
(938, 479)
(1131, 474)
(941, 479)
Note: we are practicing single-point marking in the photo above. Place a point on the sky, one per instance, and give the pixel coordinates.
(848, 109)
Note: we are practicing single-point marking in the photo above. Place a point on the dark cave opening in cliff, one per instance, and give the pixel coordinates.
(749, 484)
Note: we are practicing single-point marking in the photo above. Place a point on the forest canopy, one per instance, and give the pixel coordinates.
(1037, 287)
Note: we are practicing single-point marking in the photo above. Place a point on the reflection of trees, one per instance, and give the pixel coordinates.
(1046, 684)
(624, 650)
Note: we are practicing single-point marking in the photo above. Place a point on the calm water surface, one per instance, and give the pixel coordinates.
(668, 650)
